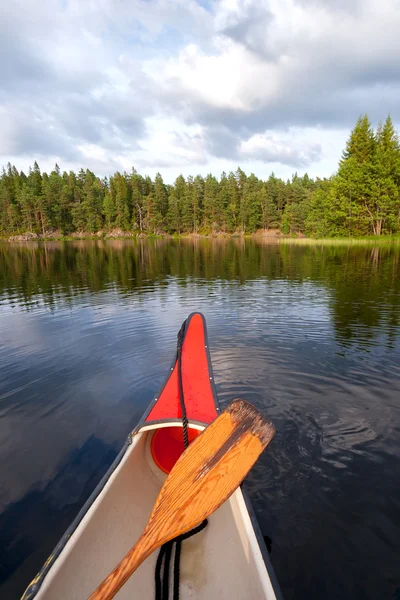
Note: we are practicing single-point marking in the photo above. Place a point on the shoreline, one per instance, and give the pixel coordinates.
(118, 234)
(269, 236)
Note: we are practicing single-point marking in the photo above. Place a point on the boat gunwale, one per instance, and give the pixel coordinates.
(261, 543)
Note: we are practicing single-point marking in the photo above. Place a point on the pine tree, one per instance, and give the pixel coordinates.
(9, 208)
(241, 179)
(66, 201)
(269, 213)
(198, 207)
(324, 218)
(78, 209)
(361, 142)
(384, 205)
(92, 204)
(189, 207)
(211, 189)
(295, 217)
(175, 204)
(40, 210)
(250, 208)
(27, 204)
(52, 191)
(222, 203)
(232, 211)
(109, 210)
(160, 196)
(122, 199)
(354, 181)
(137, 200)
(174, 213)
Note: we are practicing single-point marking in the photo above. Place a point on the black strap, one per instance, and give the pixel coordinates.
(165, 554)
(185, 423)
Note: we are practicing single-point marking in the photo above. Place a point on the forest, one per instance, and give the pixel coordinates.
(362, 198)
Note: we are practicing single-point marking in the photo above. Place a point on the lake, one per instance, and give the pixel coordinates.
(309, 334)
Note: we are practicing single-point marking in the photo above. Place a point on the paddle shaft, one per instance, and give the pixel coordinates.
(204, 477)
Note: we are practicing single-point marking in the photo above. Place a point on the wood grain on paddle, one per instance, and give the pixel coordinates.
(206, 474)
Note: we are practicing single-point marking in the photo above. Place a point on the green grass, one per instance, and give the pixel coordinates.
(349, 241)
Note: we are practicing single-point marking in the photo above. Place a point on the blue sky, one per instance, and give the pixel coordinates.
(186, 86)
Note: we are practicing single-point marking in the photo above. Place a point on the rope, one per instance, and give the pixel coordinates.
(185, 421)
(177, 568)
(178, 545)
(165, 554)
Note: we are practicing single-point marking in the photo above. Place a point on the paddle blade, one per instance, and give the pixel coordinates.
(210, 470)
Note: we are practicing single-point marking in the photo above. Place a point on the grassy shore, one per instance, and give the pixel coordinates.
(349, 241)
(275, 237)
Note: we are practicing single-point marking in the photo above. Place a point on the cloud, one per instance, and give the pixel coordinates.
(31, 134)
(353, 7)
(169, 144)
(323, 59)
(66, 87)
(290, 151)
(251, 23)
(222, 142)
(177, 83)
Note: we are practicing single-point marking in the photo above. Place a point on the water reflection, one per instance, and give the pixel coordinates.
(363, 283)
(309, 334)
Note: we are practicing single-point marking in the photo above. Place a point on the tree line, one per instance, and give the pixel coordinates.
(362, 198)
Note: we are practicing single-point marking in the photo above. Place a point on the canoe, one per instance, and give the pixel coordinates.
(227, 559)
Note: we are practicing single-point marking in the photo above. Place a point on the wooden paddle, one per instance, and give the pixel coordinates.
(206, 474)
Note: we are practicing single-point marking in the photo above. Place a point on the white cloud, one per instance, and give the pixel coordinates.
(170, 85)
(290, 149)
(171, 143)
(225, 79)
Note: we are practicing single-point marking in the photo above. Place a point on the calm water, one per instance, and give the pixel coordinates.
(308, 334)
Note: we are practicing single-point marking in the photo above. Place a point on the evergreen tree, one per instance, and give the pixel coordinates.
(322, 218)
(10, 218)
(269, 213)
(250, 208)
(27, 205)
(109, 210)
(52, 187)
(121, 197)
(40, 209)
(211, 189)
(93, 206)
(160, 196)
(189, 202)
(384, 206)
(354, 182)
(175, 203)
(137, 199)
(361, 142)
(232, 211)
(221, 204)
(78, 208)
(199, 190)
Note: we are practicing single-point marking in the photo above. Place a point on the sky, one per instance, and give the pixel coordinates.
(193, 86)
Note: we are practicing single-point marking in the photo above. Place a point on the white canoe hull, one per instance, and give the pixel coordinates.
(223, 561)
